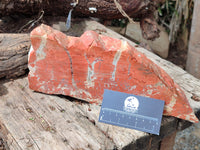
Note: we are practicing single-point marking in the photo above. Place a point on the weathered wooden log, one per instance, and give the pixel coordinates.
(13, 54)
(106, 9)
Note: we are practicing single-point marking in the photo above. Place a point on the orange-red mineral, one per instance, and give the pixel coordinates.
(82, 67)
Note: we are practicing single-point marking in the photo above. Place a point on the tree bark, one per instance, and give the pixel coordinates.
(105, 9)
(13, 54)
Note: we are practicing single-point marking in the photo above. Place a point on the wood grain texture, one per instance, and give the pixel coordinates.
(39, 121)
(13, 54)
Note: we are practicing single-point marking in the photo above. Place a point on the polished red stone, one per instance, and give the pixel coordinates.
(82, 67)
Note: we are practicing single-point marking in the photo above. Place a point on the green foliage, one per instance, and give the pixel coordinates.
(165, 13)
(119, 22)
(175, 16)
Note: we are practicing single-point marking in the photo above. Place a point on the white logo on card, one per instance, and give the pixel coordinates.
(131, 104)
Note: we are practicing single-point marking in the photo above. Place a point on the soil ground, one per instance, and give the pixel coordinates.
(188, 139)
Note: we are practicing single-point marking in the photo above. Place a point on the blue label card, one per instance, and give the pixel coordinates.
(131, 111)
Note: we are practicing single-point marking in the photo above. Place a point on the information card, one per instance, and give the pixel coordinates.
(131, 111)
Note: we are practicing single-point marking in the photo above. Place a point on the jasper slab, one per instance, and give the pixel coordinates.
(82, 67)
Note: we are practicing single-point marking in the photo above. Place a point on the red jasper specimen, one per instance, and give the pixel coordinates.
(82, 67)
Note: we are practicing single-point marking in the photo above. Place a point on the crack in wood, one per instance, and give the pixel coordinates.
(105, 133)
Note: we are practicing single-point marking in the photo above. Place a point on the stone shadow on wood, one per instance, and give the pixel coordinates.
(3, 138)
(3, 89)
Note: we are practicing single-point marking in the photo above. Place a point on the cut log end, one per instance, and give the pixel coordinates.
(14, 55)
